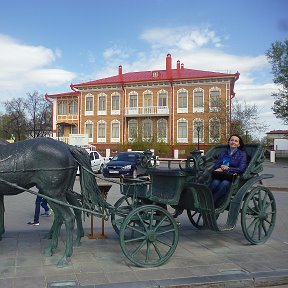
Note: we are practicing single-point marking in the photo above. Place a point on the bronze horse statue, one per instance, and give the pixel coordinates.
(51, 167)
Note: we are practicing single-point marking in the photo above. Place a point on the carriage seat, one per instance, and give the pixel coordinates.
(255, 158)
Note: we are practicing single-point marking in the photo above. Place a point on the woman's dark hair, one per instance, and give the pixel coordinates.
(240, 141)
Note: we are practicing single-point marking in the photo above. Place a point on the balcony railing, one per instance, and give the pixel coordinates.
(147, 111)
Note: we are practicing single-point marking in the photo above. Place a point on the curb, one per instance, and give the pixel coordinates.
(237, 279)
(279, 189)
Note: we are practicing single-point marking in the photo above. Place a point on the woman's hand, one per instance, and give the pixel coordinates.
(224, 167)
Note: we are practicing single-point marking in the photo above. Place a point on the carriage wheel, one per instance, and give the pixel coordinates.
(195, 218)
(258, 215)
(154, 238)
(123, 206)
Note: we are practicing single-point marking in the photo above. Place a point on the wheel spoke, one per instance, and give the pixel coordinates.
(157, 250)
(164, 243)
(264, 228)
(148, 252)
(160, 222)
(134, 229)
(165, 231)
(138, 248)
(142, 221)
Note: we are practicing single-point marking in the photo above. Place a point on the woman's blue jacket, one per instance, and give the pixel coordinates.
(238, 161)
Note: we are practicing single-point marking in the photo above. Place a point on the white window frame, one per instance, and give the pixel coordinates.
(101, 139)
(212, 107)
(132, 110)
(90, 136)
(198, 122)
(160, 137)
(162, 109)
(103, 98)
(89, 112)
(198, 108)
(112, 138)
(182, 139)
(182, 109)
(115, 111)
(147, 123)
(130, 138)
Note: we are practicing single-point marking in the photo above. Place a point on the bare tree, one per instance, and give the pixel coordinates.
(39, 115)
(245, 121)
(16, 118)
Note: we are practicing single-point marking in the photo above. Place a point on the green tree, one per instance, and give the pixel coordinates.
(278, 57)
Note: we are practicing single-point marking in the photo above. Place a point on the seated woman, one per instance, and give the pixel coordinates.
(232, 160)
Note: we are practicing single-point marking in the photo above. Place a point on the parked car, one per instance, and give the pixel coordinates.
(127, 164)
(97, 161)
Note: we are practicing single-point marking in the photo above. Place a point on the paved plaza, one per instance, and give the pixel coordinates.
(203, 258)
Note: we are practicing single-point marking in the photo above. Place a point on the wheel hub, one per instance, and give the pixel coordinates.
(262, 215)
(151, 236)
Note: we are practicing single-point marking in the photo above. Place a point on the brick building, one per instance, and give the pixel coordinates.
(177, 106)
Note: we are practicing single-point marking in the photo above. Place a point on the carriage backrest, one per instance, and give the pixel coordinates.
(255, 157)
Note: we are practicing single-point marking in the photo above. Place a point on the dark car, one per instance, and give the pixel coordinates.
(127, 164)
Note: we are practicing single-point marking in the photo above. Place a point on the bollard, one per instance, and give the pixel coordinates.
(176, 154)
(272, 156)
(107, 153)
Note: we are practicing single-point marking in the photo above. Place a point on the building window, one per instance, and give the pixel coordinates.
(115, 131)
(132, 130)
(102, 104)
(182, 131)
(182, 102)
(214, 99)
(74, 129)
(148, 103)
(115, 106)
(133, 100)
(101, 131)
(214, 130)
(147, 129)
(198, 123)
(89, 130)
(162, 130)
(62, 108)
(73, 107)
(133, 103)
(89, 104)
(198, 100)
(162, 102)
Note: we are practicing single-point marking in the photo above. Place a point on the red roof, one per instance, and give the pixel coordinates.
(278, 132)
(144, 76)
(74, 93)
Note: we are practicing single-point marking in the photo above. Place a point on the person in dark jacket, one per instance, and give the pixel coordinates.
(232, 160)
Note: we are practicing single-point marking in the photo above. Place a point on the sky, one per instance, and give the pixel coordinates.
(47, 45)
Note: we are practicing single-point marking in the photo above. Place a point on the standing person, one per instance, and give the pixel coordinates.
(232, 160)
(40, 201)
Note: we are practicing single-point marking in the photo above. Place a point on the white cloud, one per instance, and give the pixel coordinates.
(201, 48)
(184, 37)
(26, 67)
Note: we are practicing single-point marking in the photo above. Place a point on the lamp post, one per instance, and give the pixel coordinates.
(198, 131)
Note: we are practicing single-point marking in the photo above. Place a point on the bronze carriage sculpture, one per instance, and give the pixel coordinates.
(147, 231)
